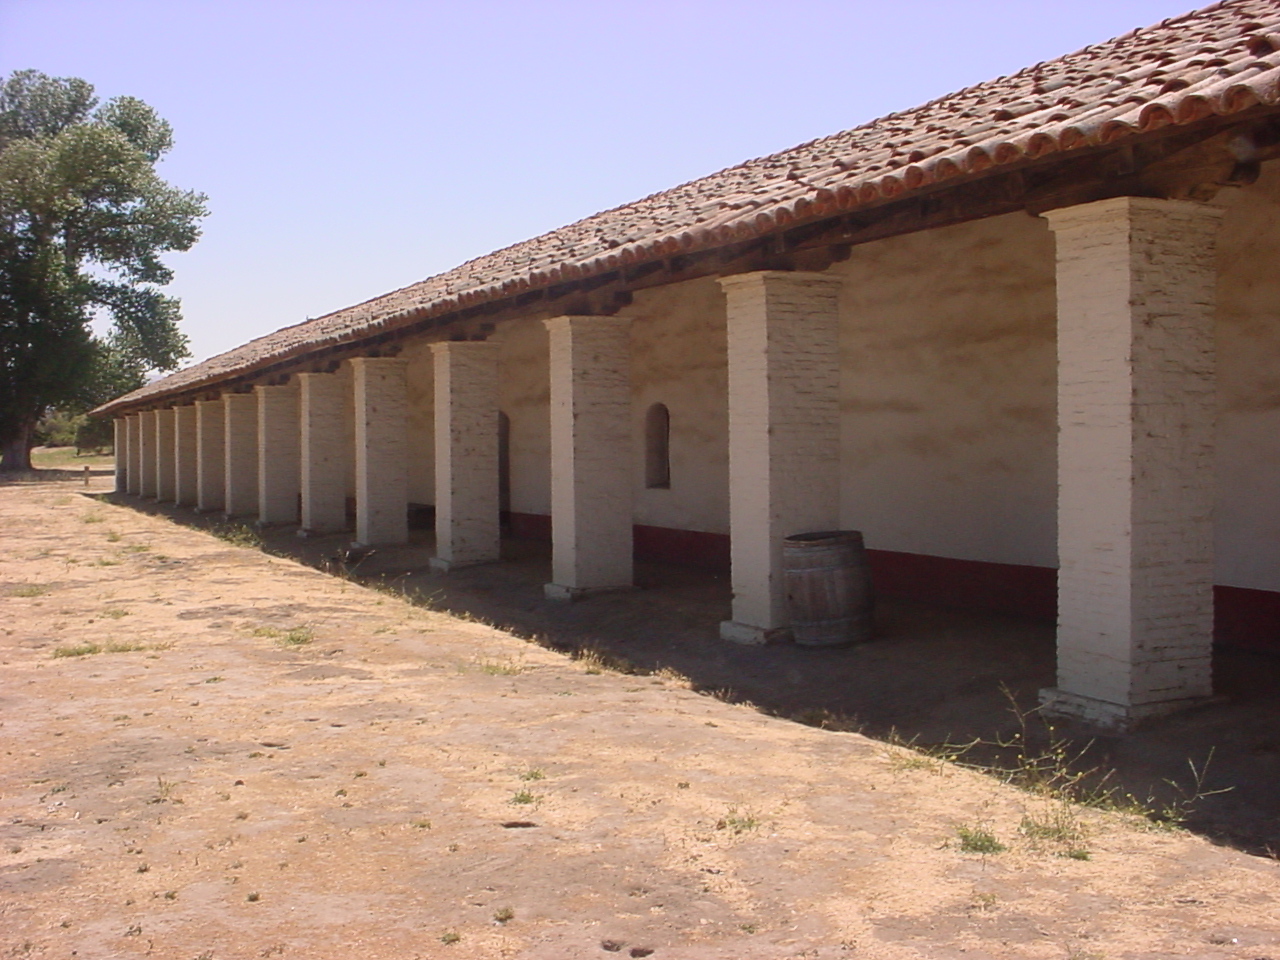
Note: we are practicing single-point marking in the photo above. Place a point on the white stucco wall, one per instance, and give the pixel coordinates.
(1247, 522)
(948, 425)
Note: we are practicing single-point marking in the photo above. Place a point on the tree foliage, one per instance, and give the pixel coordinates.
(84, 220)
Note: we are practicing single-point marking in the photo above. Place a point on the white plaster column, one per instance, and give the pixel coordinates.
(120, 447)
(591, 453)
(184, 455)
(164, 455)
(240, 454)
(784, 433)
(134, 427)
(1136, 408)
(147, 453)
(324, 452)
(466, 453)
(211, 448)
(382, 471)
(279, 469)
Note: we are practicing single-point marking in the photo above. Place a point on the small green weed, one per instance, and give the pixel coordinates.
(113, 536)
(421, 824)
(533, 775)
(238, 535)
(297, 637)
(500, 668)
(523, 798)
(1056, 823)
(601, 661)
(31, 590)
(978, 839)
(293, 637)
(983, 902)
(737, 821)
(450, 937)
(115, 613)
(504, 915)
(79, 650)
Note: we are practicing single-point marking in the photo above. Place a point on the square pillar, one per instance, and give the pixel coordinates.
(133, 426)
(211, 442)
(1136, 408)
(147, 454)
(466, 453)
(382, 446)
(323, 451)
(279, 469)
(240, 454)
(591, 453)
(184, 455)
(784, 433)
(165, 489)
(120, 447)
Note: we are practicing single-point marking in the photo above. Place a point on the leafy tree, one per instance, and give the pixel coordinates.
(84, 218)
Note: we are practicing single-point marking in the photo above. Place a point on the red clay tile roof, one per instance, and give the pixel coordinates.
(1216, 61)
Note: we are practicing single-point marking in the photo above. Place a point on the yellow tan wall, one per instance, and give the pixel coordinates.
(421, 426)
(1246, 521)
(948, 392)
(524, 395)
(678, 356)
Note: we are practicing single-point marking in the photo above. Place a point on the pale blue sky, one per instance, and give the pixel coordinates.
(349, 148)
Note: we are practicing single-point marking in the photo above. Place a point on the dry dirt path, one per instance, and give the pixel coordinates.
(403, 784)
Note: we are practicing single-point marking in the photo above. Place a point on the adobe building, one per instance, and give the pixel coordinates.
(1025, 337)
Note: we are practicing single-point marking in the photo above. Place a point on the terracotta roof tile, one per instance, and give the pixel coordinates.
(1216, 61)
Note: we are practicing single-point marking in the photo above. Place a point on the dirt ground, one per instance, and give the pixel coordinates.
(210, 752)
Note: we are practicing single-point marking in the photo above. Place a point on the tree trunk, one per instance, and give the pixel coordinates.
(16, 453)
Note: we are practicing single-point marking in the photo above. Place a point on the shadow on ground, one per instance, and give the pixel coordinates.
(933, 676)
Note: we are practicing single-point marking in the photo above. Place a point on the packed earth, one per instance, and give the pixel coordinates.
(211, 752)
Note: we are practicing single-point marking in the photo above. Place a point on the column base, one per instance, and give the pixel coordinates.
(558, 591)
(750, 635)
(1106, 715)
(272, 524)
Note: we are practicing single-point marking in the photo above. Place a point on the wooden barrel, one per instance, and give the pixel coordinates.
(828, 587)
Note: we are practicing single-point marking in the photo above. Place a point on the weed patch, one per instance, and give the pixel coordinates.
(978, 839)
(293, 637)
(238, 535)
(737, 821)
(79, 650)
(599, 661)
(500, 668)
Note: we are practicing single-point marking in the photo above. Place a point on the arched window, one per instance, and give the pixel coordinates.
(657, 447)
